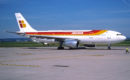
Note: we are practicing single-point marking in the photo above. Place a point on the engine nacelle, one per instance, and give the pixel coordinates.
(71, 43)
(44, 40)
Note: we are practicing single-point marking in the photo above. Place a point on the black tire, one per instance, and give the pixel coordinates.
(60, 48)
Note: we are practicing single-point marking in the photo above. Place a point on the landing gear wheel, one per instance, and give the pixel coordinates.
(70, 48)
(109, 46)
(60, 48)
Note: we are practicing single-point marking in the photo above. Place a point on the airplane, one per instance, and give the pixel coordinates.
(68, 38)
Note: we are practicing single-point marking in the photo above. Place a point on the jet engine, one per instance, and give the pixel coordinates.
(71, 43)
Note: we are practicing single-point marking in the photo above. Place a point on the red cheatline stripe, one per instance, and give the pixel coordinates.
(50, 33)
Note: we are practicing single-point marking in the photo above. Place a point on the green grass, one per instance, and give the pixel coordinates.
(19, 44)
(124, 43)
(32, 44)
(25, 44)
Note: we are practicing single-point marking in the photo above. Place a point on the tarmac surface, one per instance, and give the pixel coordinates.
(25, 63)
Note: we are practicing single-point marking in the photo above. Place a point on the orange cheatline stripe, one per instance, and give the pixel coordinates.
(91, 33)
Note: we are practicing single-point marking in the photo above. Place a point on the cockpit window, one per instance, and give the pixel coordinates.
(119, 34)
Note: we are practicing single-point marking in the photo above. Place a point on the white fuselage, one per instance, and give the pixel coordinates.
(107, 37)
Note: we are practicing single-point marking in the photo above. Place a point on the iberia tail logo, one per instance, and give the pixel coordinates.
(22, 24)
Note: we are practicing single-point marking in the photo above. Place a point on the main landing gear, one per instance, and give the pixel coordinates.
(60, 46)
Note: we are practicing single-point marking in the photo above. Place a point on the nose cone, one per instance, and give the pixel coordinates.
(123, 38)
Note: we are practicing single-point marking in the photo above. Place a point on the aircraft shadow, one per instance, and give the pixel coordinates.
(79, 48)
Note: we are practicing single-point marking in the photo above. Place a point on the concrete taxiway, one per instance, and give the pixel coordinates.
(51, 64)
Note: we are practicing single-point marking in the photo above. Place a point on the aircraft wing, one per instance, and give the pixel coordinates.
(58, 38)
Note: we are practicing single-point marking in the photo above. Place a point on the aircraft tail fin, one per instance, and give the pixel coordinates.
(24, 26)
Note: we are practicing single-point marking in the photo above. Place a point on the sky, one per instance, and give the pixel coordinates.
(66, 15)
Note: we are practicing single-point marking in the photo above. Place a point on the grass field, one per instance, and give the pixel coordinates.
(125, 43)
(32, 44)
(25, 44)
